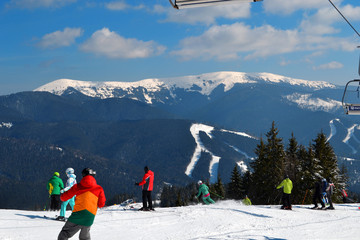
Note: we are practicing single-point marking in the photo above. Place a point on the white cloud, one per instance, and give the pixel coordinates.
(60, 38)
(32, 4)
(227, 42)
(205, 15)
(120, 5)
(330, 65)
(290, 6)
(110, 44)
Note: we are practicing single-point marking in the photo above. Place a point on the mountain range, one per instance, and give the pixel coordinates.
(185, 128)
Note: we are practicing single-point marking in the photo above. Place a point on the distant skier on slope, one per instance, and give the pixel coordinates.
(54, 186)
(246, 201)
(287, 186)
(204, 191)
(89, 196)
(317, 197)
(147, 184)
(69, 183)
(329, 193)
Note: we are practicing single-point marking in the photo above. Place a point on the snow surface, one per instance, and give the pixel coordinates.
(305, 101)
(220, 221)
(204, 83)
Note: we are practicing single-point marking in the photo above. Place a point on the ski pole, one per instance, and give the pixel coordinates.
(216, 195)
(305, 196)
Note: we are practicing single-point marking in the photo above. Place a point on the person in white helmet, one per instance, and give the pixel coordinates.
(69, 183)
(204, 191)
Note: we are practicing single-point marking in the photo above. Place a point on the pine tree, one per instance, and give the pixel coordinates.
(246, 183)
(292, 167)
(268, 168)
(219, 188)
(327, 159)
(235, 190)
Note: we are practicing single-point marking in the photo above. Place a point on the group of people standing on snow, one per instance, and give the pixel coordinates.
(323, 191)
(89, 197)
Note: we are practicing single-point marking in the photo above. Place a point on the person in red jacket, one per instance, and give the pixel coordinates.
(147, 187)
(89, 196)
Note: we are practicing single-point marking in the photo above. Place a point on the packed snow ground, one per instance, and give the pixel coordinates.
(223, 220)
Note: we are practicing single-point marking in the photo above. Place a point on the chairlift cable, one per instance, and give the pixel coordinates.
(344, 18)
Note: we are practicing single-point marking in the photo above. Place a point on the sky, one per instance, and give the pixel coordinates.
(224, 220)
(131, 40)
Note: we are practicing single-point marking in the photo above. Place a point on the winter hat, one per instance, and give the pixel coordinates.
(146, 169)
(88, 171)
(199, 182)
(57, 174)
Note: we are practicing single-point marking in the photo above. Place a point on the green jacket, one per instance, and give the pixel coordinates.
(203, 189)
(55, 184)
(287, 185)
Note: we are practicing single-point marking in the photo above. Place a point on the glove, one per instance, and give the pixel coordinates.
(62, 191)
(136, 184)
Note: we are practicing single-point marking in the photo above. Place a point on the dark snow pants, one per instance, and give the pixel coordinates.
(55, 203)
(286, 200)
(147, 200)
(70, 229)
(318, 198)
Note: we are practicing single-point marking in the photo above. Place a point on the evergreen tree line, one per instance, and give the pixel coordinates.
(273, 161)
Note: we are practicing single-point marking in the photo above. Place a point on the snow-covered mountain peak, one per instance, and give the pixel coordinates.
(203, 83)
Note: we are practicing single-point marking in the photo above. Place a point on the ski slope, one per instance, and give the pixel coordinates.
(221, 221)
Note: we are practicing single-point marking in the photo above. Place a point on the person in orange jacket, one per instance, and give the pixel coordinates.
(89, 196)
(147, 184)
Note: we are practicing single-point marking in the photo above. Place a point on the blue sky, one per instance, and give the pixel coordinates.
(131, 40)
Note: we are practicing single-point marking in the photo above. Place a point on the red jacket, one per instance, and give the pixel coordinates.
(89, 196)
(147, 182)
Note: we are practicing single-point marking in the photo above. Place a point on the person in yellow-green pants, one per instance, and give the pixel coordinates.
(287, 186)
(204, 191)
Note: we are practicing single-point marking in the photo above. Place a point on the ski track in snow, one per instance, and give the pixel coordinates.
(195, 129)
(224, 220)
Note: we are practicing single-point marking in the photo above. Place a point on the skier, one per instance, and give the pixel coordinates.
(324, 186)
(69, 183)
(329, 193)
(54, 186)
(287, 186)
(147, 184)
(89, 196)
(246, 201)
(204, 190)
(317, 193)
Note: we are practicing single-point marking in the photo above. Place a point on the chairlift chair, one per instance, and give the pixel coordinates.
(179, 4)
(351, 108)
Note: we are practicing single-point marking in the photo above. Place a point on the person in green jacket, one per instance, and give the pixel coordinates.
(54, 186)
(204, 191)
(287, 186)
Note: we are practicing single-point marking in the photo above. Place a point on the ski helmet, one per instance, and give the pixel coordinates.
(57, 174)
(88, 171)
(69, 171)
(199, 182)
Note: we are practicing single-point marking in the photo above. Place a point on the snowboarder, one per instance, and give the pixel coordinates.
(89, 196)
(329, 193)
(324, 186)
(317, 197)
(204, 191)
(287, 186)
(69, 183)
(246, 201)
(147, 184)
(54, 186)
